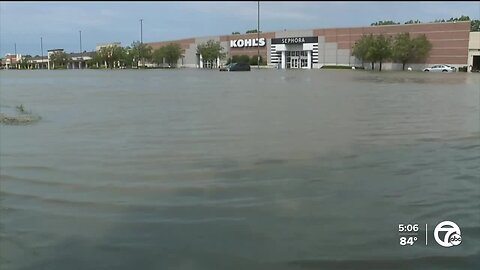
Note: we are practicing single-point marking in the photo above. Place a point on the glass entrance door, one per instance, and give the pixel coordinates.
(294, 62)
(296, 59)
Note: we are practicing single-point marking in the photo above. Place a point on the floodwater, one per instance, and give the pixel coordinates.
(268, 169)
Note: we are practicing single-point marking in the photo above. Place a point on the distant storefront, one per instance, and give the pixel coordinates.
(314, 48)
(294, 52)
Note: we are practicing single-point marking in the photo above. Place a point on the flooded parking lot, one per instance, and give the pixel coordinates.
(268, 169)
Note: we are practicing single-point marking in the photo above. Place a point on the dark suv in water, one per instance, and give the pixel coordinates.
(236, 67)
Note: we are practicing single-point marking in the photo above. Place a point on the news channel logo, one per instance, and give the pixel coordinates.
(453, 236)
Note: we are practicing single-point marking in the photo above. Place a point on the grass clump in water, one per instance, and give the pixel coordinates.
(24, 117)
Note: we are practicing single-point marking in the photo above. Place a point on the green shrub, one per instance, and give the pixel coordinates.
(253, 60)
(242, 59)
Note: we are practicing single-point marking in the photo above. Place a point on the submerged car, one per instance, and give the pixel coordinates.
(440, 68)
(236, 67)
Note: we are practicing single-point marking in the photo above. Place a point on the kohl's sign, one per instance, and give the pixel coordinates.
(252, 42)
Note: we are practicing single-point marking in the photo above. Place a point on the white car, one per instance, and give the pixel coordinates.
(440, 68)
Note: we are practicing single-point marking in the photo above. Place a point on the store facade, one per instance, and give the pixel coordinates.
(314, 48)
(294, 52)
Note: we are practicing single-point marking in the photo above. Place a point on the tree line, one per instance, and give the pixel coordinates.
(401, 48)
(133, 56)
(138, 53)
(474, 24)
(247, 32)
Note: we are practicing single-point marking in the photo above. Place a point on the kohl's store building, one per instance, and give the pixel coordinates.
(314, 48)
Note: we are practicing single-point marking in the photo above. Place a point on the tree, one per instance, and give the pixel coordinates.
(413, 22)
(158, 55)
(406, 49)
(373, 49)
(361, 49)
(252, 31)
(381, 49)
(384, 23)
(140, 52)
(111, 55)
(421, 48)
(235, 33)
(402, 49)
(475, 26)
(128, 57)
(211, 50)
(59, 59)
(461, 19)
(171, 53)
(95, 61)
(25, 62)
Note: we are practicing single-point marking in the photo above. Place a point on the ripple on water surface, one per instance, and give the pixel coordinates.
(268, 169)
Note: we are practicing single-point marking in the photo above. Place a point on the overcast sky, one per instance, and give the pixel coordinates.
(59, 23)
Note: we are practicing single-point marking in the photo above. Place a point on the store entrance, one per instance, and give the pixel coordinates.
(294, 62)
(476, 63)
(296, 59)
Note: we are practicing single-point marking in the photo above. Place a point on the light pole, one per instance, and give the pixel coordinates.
(41, 48)
(258, 34)
(16, 60)
(141, 31)
(81, 52)
(80, 41)
(141, 41)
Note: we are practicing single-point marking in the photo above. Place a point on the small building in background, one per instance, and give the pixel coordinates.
(79, 60)
(11, 61)
(75, 60)
(50, 52)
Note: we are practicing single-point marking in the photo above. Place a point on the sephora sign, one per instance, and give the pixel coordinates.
(249, 42)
